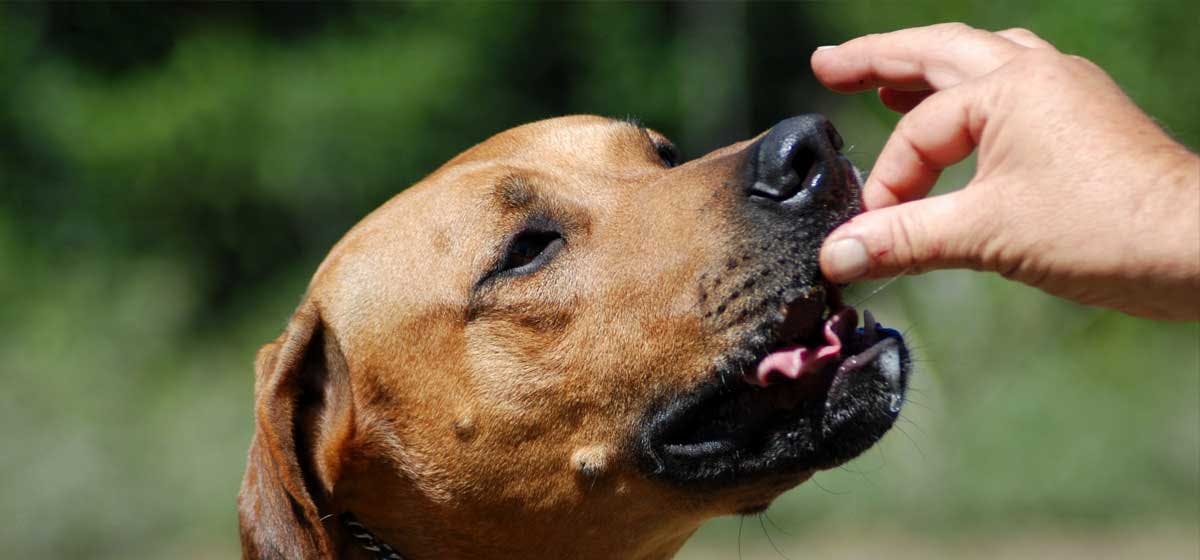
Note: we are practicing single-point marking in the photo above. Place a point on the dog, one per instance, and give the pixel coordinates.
(566, 343)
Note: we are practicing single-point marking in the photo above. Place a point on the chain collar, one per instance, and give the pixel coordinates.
(367, 540)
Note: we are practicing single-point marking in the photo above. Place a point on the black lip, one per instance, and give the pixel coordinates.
(728, 432)
(725, 431)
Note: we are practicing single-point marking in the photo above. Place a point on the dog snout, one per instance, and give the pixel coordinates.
(798, 156)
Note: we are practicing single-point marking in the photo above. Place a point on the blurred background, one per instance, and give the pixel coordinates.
(171, 174)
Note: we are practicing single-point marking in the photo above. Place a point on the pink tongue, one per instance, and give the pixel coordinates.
(796, 361)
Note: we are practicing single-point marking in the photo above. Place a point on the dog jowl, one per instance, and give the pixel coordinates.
(564, 343)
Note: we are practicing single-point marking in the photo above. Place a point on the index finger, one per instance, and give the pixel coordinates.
(922, 58)
(937, 133)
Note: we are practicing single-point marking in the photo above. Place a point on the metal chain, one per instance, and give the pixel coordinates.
(367, 540)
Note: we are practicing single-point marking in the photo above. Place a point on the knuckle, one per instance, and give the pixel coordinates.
(1051, 70)
(967, 37)
(989, 249)
(1011, 271)
(913, 249)
(907, 125)
(1042, 57)
(964, 32)
(953, 28)
(1022, 32)
(1035, 65)
(1082, 62)
(931, 105)
(868, 41)
(906, 135)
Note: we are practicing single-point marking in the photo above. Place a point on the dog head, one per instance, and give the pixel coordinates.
(565, 343)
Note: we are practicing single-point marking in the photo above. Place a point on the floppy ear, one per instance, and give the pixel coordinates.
(304, 418)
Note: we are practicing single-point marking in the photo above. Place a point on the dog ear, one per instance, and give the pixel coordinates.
(304, 418)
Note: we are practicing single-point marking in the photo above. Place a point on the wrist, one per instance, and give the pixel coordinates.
(1173, 270)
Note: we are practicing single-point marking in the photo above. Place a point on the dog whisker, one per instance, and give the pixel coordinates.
(770, 540)
(916, 426)
(919, 360)
(741, 521)
(775, 525)
(920, 451)
(861, 474)
(882, 287)
(920, 404)
(828, 491)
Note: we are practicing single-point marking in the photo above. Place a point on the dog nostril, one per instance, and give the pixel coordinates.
(798, 153)
(803, 164)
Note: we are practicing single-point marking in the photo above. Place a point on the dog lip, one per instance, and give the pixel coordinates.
(730, 433)
(700, 449)
(887, 356)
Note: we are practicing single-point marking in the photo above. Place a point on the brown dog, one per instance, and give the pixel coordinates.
(562, 345)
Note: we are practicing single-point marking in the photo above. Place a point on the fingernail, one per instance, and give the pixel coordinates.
(847, 259)
(823, 47)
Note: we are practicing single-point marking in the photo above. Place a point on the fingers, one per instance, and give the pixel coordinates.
(940, 131)
(934, 57)
(1026, 38)
(902, 101)
(931, 74)
(938, 232)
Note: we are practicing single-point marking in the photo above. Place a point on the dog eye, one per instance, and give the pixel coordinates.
(530, 250)
(668, 153)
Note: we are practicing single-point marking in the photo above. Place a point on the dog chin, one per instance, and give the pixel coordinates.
(791, 410)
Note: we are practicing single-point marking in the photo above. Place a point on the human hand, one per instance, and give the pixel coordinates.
(1076, 190)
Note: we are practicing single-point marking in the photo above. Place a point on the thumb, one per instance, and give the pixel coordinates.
(941, 232)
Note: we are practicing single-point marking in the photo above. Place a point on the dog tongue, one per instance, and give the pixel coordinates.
(798, 360)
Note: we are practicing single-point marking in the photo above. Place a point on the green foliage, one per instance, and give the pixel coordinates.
(171, 175)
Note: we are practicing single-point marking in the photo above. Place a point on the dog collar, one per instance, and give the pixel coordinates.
(367, 540)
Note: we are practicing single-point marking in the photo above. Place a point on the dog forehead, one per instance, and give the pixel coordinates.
(575, 140)
(425, 246)
(417, 247)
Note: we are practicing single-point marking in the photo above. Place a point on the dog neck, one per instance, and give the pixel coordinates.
(356, 540)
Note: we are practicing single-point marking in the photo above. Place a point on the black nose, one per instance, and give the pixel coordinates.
(800, 153)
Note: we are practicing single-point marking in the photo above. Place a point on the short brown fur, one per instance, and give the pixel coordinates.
(463, 417)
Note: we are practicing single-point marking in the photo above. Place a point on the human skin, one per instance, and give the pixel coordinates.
(1076, 191)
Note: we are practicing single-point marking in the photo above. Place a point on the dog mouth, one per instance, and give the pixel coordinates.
(822, 391)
